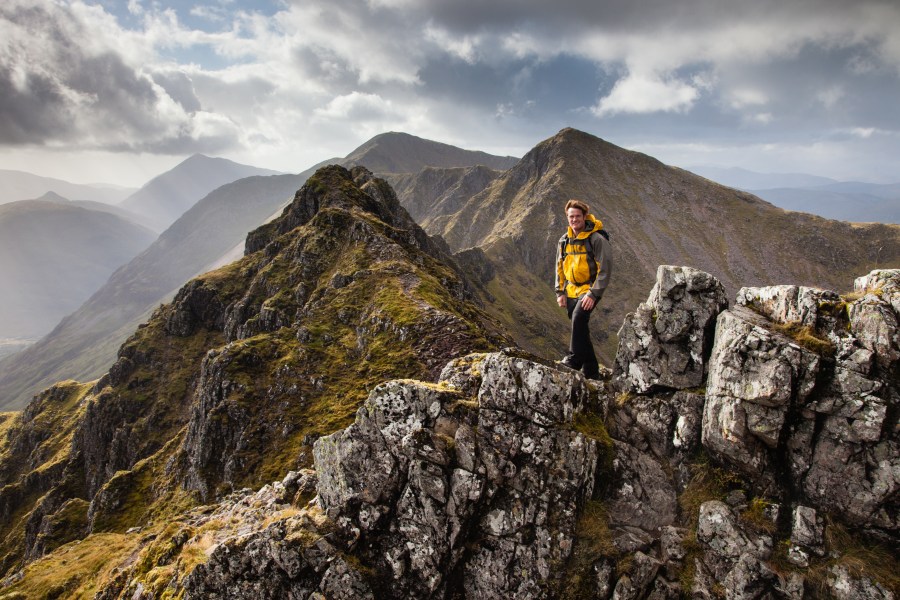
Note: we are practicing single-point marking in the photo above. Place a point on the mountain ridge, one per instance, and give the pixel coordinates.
(22, 185)
(83, 345)
(163, 199)
(652, 212)
(340, 292)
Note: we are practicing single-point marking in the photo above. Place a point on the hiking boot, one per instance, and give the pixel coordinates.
(569, 361)
(595, 375)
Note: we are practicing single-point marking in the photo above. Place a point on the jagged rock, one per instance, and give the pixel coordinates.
(788, 303)
(808, 530)
(756, 376)
(637, 581)
(843, 586)
(883, 281)
(666, 425)
(667, 341)
(776, 409)
(423, 469)
(603, 572)
(718, 530)
(750, 579)
(643, 496)
(733, 557)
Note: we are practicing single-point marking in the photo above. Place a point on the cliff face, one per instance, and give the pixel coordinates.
(743, 452)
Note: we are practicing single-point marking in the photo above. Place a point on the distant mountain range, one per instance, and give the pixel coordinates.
(84, 344)
(18, 185)
(53, 255)
(846, 201)
(166, 197)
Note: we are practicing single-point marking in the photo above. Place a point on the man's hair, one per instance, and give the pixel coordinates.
(579, 205)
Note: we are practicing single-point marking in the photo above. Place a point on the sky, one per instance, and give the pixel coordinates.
(120, 91)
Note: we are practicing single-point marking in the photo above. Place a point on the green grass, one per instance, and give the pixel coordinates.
(806, 337)
(593, 541)
(75, 571)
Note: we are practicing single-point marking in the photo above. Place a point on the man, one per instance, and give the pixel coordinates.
(583, 268)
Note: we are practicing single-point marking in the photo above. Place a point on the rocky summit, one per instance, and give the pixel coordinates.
(332, 418)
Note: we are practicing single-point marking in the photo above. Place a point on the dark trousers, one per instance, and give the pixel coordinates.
(581, 349)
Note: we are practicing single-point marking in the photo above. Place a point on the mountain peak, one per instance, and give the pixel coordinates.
(53, 197)
(396, 152)
(338, 188)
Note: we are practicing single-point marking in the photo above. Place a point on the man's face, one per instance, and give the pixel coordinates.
(576, 219)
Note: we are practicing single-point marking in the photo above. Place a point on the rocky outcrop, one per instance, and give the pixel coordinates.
(477, 495)
(665, 343)
(801, 400)
(465, 488)
(803, 397)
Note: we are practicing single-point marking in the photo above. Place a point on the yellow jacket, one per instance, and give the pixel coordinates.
(576, 273)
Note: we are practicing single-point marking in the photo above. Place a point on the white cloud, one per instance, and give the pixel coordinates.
(742, 98)
(357, 106)
(320, 75)
(639, 93)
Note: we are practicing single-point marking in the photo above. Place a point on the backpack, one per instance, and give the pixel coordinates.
(588, 248)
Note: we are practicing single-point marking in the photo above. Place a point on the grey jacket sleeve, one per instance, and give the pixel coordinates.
(559, 283)
(603, 255)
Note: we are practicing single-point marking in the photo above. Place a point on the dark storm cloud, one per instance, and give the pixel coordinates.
(60, 87)
(36, 115)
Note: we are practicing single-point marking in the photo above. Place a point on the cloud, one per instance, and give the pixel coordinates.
(317, 75)
(357, 107)
(65, 81)
(639, 93)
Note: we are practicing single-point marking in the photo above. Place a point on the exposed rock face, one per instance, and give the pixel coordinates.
(665, 343)
(424, 472)
(802, 399)
(819, 424)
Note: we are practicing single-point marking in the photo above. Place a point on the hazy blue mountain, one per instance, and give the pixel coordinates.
(857, 207)
(53, 256)
(19, 185)
(744, 179)
(98, 206)
(890, 191)
(167, 196)
(843, 200)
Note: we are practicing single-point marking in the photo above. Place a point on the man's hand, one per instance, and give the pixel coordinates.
(587, 302)
(561, 300)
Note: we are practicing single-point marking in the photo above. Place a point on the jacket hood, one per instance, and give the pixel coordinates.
(591, 224)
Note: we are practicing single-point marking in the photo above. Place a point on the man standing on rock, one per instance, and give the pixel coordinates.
(583, 267)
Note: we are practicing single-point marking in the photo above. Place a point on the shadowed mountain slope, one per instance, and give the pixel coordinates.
(163, 199)
(229, 384)
(656, 215)
(403, 153)
(53, 255)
